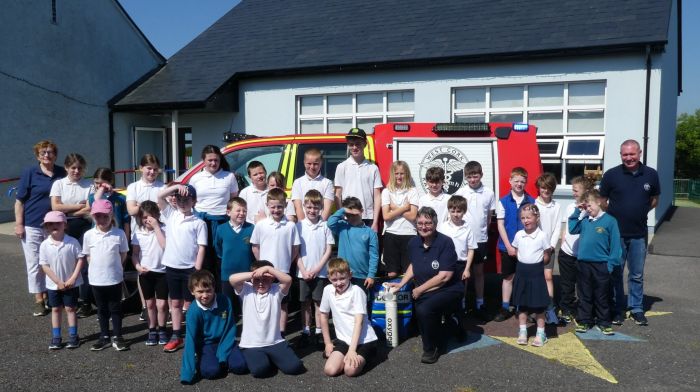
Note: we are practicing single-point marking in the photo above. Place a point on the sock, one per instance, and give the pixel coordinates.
(540, 330)
(56, 332)
(523, 327)
(479, 303)
(176, 333)
(505, 305)
(319, 331)
(307, 330)
(73, 331)
(151, 330)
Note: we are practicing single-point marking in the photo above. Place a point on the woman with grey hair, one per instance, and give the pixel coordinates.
(438, 289)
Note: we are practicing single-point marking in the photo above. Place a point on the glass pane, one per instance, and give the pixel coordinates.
(506, 117)
(581, 122)
(373, 102)
(333, 154)
(506, 97)
(583, 147)
(312, 105)
(339, 125)
(470, 118)
(547, 122)
(270, 156)
(367, 124)
(587, 93)
(339, 104)
(546, 95)
(470, 98)
(393, 119)
(554, 168)
(400, 101)
(311, 126)
(548, 148)
(573, 170)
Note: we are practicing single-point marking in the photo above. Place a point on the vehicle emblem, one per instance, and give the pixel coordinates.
(450, 159)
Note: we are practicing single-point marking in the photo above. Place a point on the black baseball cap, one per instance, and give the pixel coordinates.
(356, 133)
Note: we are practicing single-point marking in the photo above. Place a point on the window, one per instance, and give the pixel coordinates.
(570, 120)
(270, 156)
(333, 154)
(339, 112)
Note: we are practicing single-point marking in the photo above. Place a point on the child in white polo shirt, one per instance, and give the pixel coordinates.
(276, 239)
(435, 198)
(399, 209)
(59, 258)
(550, 224)
(358, 177)
(105, 247)
(461, 233)
(312, 179)
(255, 193)
(315, 251)
(185, 247)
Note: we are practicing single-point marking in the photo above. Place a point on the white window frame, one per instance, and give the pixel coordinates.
(597, 156)
(560, 144)
(384, 114)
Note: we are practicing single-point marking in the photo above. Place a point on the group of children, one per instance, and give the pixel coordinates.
(267, 236)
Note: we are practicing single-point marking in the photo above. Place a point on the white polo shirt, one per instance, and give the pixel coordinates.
(105, 264)
(359, 180)
(214, 191)
(462, 236)
(276, 240)
(255, 200)
(531, 246)
(569, 244)
(305, 183)
(314, 239)
(61, 257)
(151, 252)
(184, 234)
(550, 220)
(344, 307)
(437, 203)
(71, 192)
(261, 316)
(480, 204)
(400, 225)
(141, 191)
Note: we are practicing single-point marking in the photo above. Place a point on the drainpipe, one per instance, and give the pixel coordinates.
(645, 141)
(111, 139)
(174, 137)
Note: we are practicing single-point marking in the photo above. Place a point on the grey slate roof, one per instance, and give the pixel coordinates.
(265, 37)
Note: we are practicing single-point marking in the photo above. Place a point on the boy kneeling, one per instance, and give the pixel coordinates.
(210, 340)
(356, 341)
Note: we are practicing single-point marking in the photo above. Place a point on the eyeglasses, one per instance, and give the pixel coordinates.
(46, 152)
(424, 224)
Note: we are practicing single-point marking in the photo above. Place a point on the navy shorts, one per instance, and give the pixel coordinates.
(154, 284)
(67, 298)
(480, 253)
(177, 283)
(312, 289)
(508, 264)
(366, 351)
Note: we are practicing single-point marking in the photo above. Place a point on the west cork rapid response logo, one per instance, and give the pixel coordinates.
(451, 160)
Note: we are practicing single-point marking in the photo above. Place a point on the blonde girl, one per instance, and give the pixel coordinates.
(399, 209)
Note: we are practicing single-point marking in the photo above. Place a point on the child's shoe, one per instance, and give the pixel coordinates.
(503, 315)
(605, 330)
(119, 344)
(144, 314)
(522, 337)
(39, 309)
(619, 319)
(639, 318)
(162, 338)
(152, 339)
(55, 344)
(101, 344)
(567, 317)
(73, 341)
(174, 344)
(85, 310)
(582, 328)
(303, 340)
(540, 339)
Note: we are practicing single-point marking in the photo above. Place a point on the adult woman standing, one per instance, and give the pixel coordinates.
(215, 186)
(438, 288)
(31, 205)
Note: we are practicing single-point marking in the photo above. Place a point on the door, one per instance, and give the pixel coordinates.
(149, 141)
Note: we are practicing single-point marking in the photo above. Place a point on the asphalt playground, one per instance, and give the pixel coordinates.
(660, 357)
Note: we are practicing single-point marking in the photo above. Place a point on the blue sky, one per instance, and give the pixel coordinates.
(171, 24)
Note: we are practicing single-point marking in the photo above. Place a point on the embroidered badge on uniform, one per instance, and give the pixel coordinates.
(435, 264)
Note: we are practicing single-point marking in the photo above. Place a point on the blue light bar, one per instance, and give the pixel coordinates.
(520, 127)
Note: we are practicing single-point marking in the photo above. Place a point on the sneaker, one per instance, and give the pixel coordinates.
(174, 344)
(430, 357)
(619, 319)
(639, 318)
(550, 317)
(119, 344)
(85, 310)
(101, 344)
(539, 340)
(144, 314)
(162, 338)
(567, 317)
(503, 315)
(39, 309)
(73, 341)
(522, 337)
(481, 314)
(55, 344)
(169, 321)
(303, 341)
(605, 330)
(582, 328)
(152, 339)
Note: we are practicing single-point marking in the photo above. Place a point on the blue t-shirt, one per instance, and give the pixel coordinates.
(629, 197)
(33, 191)
(427, 262)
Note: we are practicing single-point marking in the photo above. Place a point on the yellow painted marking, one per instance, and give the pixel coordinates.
(259, 140)
(568, 350)
(289, 174)
(653, 314)
(285, 160)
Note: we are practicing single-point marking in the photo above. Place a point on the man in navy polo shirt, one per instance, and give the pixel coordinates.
(632, 190)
